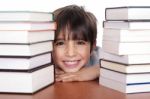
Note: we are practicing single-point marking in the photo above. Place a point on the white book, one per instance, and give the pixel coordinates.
(123, 87)
(25, 16)
(27, 26)
(125, 68)
(125, 78)
(128, 13)
(26, 36)
(126, 59)
(126, 48)
(25, 49)
(26, 81)
(132, 25)
(125, 35)
(24, 63)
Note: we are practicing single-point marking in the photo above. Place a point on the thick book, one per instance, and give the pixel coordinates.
(26, 36)
(125, 68)
(128, 13)
(29, 81)
(125, 35)
(10, 26)
(126, 48)
(128, 78)
(132, 25)
(126, 59)
(123, 87)
(24, 63)
(25, 49)
(31, 16)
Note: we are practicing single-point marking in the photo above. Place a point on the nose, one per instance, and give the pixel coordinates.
(70, 49)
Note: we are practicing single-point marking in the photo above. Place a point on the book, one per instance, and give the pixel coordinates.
(126, 48)
(10, 26)
(24, 63)
(42, 94)
(132, 25)
(128, 78)
(125, 35)
(128, 13)
(29, 49)
(29, 81)
(123, 87)
(125, 68)
(126, 59)
(33, 16)
(26, 36)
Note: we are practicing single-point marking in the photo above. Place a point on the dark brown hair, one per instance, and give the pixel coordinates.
(77, 23)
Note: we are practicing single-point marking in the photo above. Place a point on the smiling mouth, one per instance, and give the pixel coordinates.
(72, 63)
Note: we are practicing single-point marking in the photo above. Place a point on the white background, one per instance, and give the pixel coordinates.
(97, 7)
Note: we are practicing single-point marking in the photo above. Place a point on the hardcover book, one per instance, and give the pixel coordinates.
(125, 35)
(10, 26)
(126, 59)
(132, 25)
(128, 13)
(26, 36)
(125, 68)
(128, 78)
(25, 49)
(126, 48)
(24, 62)
(31, 16)
(29, 81)
(123, 87)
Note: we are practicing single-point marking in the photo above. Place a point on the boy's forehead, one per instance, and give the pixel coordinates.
(64, 36)
(68, 33)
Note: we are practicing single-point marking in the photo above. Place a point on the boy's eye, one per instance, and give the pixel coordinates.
(59, 43)
(81, 42)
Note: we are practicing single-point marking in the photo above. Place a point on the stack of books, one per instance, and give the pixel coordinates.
(25, 51)
(125, 63)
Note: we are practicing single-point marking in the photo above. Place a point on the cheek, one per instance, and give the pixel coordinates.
(57, 54)
(87, 55)
(85, 52)
(56, 58)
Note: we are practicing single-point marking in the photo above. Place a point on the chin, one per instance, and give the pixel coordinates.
(71, 70)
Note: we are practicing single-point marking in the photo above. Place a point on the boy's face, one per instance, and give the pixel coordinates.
(71, 55)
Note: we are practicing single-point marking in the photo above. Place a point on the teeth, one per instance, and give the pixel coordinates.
(70, 62)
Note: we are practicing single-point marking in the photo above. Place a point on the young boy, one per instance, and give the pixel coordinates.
(74, 45)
